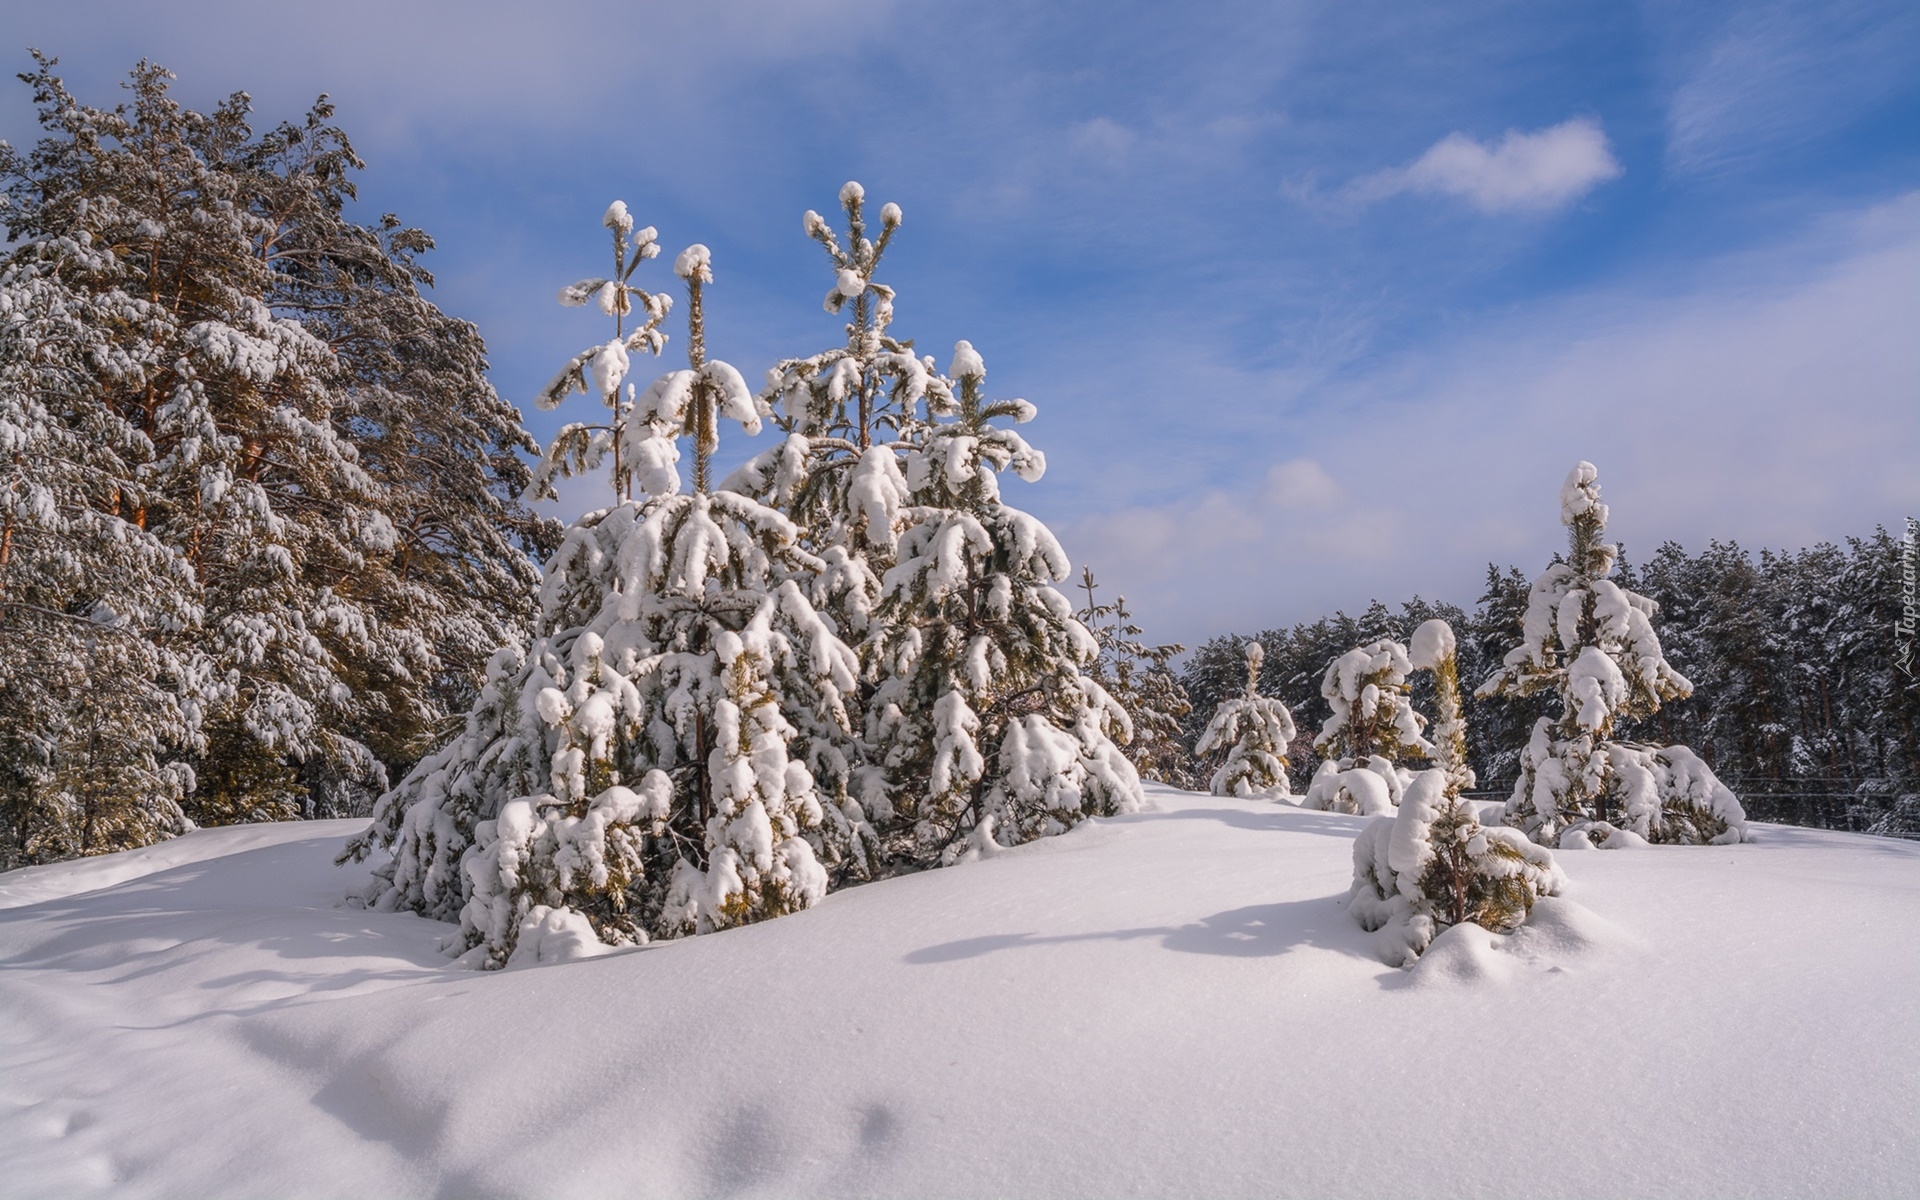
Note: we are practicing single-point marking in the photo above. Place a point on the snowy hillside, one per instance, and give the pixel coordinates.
(1169, 1003)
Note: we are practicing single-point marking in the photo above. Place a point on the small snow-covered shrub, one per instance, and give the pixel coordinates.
(1370, 788)
(1254, 731)
(1433, 865)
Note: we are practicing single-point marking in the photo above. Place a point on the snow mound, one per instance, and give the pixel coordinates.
(1559, 937)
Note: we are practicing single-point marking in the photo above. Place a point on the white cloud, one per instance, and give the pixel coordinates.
(1524, 172)
(1301, 483)
(1102, 140)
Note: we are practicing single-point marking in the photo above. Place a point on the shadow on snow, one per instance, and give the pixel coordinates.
(1256, 931)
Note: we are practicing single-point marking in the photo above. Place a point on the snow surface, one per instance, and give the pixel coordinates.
(1173, 1002)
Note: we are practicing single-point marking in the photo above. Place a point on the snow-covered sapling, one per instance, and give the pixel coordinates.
(1434, 649)
(1254, 731)
(1371, 729)
(1590, 642)
(995, 734)
(1432, 864)
(852, 414)
(602, 369)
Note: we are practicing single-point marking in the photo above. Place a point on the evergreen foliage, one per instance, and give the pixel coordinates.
(1590, 642)
(1141, 680)
(1795, 656)
(853, 414)
(647, 764)
(1801, 656)
(628, 775)
(1296, 660)
(995, 733)
(1254, 732)
(1432, 864)
(98, 682)
(1371, 727)
(306, 481)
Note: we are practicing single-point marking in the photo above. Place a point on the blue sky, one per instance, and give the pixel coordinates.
(1319, 301)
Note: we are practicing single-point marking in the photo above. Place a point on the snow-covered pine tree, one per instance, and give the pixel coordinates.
(1254, 731)
(851, 413)
(1432, 864)
(1371, 728)
(636, 445)
(628, 774)
(994, 733)
(441, 448)
(248, 480)
(1137, 676)
(1590, 642)
(99, 686)
(261, 349)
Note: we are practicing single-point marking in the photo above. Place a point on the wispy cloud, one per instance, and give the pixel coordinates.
(1769, 400)
(1522, 172)
(432, 68)
(1782, 74)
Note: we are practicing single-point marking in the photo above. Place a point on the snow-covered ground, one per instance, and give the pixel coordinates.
(1171, 1003)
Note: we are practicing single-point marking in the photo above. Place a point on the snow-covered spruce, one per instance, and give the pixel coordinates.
(994, 732)
(854, 474)
(1254, 731)
(1140, 680)
(628, 775)
(851, 414)
(1371, 728)
(1591, 643)
(1432, 864)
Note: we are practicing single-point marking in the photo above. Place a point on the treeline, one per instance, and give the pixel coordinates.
(260, 526)
(1800, 701)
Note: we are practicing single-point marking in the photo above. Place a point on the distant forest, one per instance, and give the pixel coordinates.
(1800, 701)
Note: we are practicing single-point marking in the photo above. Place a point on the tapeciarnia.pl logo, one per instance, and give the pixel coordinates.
(1903, 628)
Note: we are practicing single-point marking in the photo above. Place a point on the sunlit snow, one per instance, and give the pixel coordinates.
(1174, 1002)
